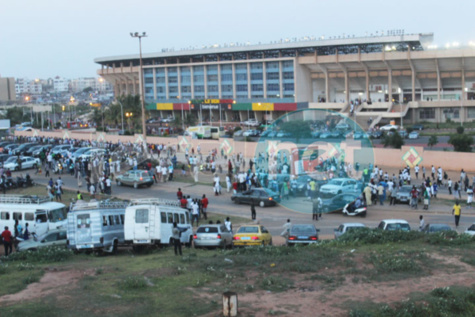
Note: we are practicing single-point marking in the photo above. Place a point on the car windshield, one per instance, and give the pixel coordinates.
(207, 230)
(11, 159)
(471, 228)
(398, 226)
(436, 228)
(335, 182)
(304, 229)
(405, 189)
(248, 230)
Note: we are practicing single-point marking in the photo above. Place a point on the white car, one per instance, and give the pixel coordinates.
(389, 127)
(92, 153)
(338, 185)
(55, 237)
(59, 148)
(251, 123)
(471, 230)
(346, 227)
(413, 135)
(26, 162)
(394, 224)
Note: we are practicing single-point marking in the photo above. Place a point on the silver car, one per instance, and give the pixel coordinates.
(346, 227)
(213, 236)
(135, 178)
(50, 238)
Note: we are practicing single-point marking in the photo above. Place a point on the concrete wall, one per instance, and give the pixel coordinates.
(394, 158)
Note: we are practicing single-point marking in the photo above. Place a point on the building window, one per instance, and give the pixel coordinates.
(241, 88)
(212, 78)
(471, 113)
(148, 80)
(241, 67)
(288, 75)
(172, 70)
(241, 77)
(288, 87)
(272, 76)
(226, 88)
(257, 87)
(287, 64)
(212, 68)
(451, 113)
(256, 66)
(272, 65)
(273, 87)
(172, 80)
(198, 78)
(172, 89)
(427, 113)
(226, 77)
(226, 67)
(160, 80)
(256, 76)
(199, 88)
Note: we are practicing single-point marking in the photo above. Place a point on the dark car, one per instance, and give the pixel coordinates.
(23, 148)
(10, 147)
(302, 234)
(260, 196)
(338, 202)
(436, 227)
(29, 151)
(419, 127)
(298, 186)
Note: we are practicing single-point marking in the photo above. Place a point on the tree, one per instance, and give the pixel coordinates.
(460, 130)
(461, 142)
(433, 140)
(297, 129)
(190, 120)
(394, 140)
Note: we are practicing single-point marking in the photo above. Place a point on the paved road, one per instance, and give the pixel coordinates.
(275, 217)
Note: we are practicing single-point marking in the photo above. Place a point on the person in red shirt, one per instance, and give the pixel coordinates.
(183, 202)
(204, 205)
(179, 194)
(7, 241)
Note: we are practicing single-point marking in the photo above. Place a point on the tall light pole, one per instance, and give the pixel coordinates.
(142, 89)
(121, 113)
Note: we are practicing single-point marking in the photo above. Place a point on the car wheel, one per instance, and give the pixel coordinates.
(339, 192)
(262, 203)
(119, 183)
(136, 185)
(270, 242)
(189, 243)
(16, 168)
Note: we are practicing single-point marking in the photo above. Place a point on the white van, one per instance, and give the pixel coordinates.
(40, 213)
(96, 225)
(201, 132)
(150, 221)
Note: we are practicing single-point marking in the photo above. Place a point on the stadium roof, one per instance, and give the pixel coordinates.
(419, 40)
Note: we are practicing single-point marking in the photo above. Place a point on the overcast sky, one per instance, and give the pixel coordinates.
(41, 39)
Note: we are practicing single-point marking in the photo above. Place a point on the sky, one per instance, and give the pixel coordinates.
(44, 39)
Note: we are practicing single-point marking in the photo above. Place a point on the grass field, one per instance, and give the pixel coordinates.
(158, 282)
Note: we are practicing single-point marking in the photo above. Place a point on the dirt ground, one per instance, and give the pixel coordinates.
(307, 298)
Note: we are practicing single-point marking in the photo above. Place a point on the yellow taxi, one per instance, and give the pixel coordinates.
(252, 235)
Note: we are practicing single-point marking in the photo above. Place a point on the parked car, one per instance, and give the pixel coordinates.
(302, 234)
(402, 133)
(213, 236)
(4, 157)
(419, 127)
(347, 227)
(29, 151)
(251, 133)
(403, 194)
(299, 185)
(51, 238)
(59, 148)
(394, 224)
(251, 123)
(360, 135)
(22, 148)
(26, 162)
(10, 147)
(470, 230)
(377, 134)
(338, 185)
(260, 196)
(325, 135)
(413, 135)
(252, 235)
(338, 202)
(92, 153)
(389, 127)
(135, 178)
(436, 227)
(45, 148)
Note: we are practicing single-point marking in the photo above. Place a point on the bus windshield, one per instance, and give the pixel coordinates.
(56, 215)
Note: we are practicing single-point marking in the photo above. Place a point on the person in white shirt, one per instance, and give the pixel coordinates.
(416, 171)
(164, 173)
(228, 225)
(108, 186)
(421, 222)
(228, 183)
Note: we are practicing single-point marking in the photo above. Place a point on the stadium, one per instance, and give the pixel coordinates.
(387, 77)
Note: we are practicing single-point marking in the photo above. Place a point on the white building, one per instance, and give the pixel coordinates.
(61, 84)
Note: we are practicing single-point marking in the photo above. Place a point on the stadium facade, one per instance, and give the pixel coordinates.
(389, 77)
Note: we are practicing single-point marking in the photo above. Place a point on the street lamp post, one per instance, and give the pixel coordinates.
(128, 115)
(142, 89)
(121, 113)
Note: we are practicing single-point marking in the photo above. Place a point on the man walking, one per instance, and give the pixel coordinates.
(176, 238)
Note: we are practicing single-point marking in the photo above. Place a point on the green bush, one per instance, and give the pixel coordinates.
(133, 283)
(42, 255)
